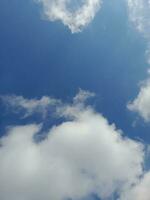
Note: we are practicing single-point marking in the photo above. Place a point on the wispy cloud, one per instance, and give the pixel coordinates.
(43, 105)
(29, 106)
(139, 14)
(74, 14)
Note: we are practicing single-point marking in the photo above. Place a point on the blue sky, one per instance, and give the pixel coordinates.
(107, 57)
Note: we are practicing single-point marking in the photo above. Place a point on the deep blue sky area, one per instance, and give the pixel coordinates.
(38, 57)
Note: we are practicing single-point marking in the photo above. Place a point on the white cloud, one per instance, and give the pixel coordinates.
(83, 155)
(139, 14)
(42, 105)
(141, 191)
(141, 104)
(75, 14)
(29, 106)
(82, 96)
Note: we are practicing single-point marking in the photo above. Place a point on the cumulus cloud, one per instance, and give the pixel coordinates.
(139, 14)
(141, 191)
(76, 14)
(81, 156)
(141, 104)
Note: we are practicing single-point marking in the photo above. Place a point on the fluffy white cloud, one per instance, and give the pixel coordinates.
(141, 103)
(83, 155)
(139, 14)
(141, 191)
(76, 14)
